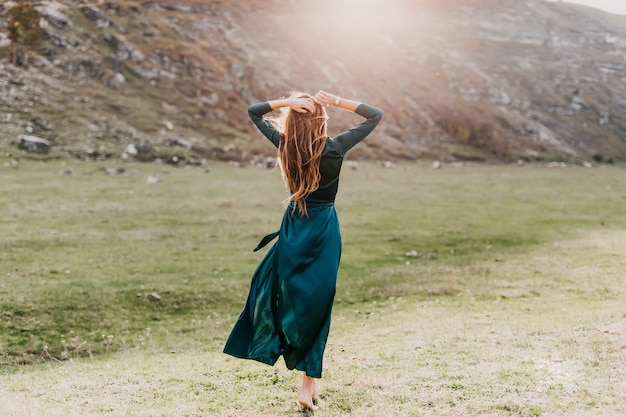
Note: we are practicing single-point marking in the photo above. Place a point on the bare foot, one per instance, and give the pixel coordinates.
(308, 393)
(306, 403)
(314, 396)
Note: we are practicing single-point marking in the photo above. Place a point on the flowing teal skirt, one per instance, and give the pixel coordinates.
(289, 306)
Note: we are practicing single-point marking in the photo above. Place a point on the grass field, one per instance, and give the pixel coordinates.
(466, 291)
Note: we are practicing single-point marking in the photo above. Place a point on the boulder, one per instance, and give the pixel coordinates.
(96, 15)
(177, 141)
(116, 80)
(34, 144)
(38, 124)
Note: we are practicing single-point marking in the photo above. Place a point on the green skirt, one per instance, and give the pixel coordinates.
(291, 296)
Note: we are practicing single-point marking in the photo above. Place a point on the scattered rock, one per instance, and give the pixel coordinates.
(92, 154)
(13, 163)
(268, 162)
(114, 171)
(34, 144)
(153, 179)
(38, 124)
(411, 254)
(96, 15)
(237, 70)
(436, 165)
(56, 22)
(179, 142)
(154, 296)
(117, 80)
(211, 100)
(196, 162)
(131, 149)
(174, 160)
(145, 151)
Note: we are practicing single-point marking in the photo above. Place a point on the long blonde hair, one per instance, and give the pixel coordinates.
(300, 151)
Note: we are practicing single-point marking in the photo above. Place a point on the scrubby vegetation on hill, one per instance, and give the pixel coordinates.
(478, 80)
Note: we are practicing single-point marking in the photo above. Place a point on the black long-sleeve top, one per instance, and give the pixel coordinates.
(334, 151)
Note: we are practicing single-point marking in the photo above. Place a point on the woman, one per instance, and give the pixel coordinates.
(291, 296)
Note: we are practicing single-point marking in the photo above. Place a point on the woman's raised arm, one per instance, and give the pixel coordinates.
(349, 138)
(301, 105)
(328, 99)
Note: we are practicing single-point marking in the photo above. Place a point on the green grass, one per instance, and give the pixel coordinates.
(469, 291)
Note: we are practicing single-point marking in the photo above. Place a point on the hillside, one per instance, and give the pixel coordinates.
(459, 80)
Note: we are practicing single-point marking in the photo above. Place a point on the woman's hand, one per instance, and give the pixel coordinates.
(326, 99)
(302, 105)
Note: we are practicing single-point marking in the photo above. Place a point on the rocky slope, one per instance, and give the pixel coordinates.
(471, 79)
